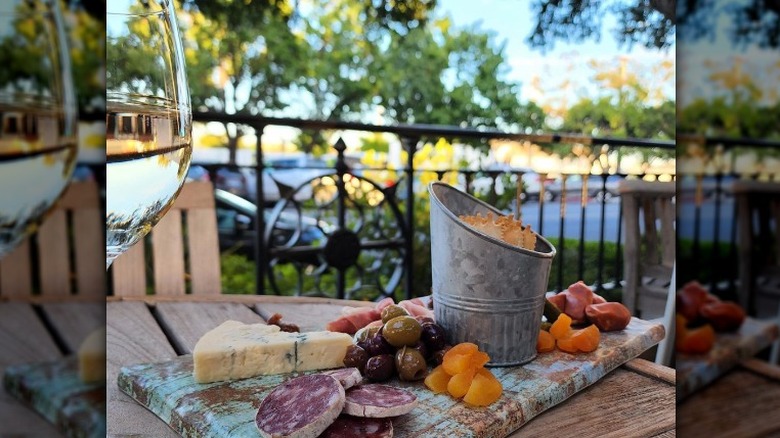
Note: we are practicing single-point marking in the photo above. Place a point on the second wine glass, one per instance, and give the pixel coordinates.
(148, 121)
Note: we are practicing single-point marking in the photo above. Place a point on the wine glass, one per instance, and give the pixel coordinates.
(148, 120)
(38, 117)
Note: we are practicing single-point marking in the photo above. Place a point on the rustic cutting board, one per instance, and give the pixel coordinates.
(55, 391)
(228, 408)
(697, 371)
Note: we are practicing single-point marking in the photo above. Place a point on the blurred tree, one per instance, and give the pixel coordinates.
(751, 22)
(628, 104)
(650, 23)
(87, 28)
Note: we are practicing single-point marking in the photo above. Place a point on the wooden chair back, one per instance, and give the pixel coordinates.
(73, 227)
(649, 249)
(183, 246)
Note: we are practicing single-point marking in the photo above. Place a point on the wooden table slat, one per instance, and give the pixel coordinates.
(133, 336)
(24, 339)
(186, 322)
(741, 403)
(75, 321)
(599, 410)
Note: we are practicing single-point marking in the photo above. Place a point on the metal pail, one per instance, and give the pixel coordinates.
(485, 291)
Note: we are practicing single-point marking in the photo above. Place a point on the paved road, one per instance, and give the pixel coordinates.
(592, 229)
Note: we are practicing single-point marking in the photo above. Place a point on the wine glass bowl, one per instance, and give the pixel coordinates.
(148, 121)
(38, 118)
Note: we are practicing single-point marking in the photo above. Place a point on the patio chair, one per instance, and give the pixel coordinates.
(70, 228)
(758, 222)
(649, 249)
(183, 246)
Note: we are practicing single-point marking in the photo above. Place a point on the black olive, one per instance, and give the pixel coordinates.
(434, 336)
(356, 357)
(379, 368)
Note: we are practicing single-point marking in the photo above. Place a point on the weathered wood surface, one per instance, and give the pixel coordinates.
(596, 411)
(696, 372)
(40, 380)
(55, 390)
(745, 402)
(228, 408)
(75, 321)
(23, 339)
(132, 336)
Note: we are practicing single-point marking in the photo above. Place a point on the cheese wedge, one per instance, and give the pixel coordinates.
(235, 350)
(92, 357)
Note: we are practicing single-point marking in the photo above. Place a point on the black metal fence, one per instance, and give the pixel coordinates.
(708, 241)
(358, 228)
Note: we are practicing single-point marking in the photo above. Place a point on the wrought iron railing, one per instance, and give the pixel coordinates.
(345, 243)
(708, 214)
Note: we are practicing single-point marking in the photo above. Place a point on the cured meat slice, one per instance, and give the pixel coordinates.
(361, 317)
(348, 377)
(347, 426)
(380, 306)
(379, 401)
(302, 407)
(416, 309)
(342, 325)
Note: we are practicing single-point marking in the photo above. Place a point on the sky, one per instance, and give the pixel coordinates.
(511, 21)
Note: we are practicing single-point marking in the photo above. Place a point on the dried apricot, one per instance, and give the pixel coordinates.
(484, 389)
(457, 363)
(587, 339)
(696, 340)
(459, 384)
(463, 348)
(479, 359)
(567, 344)
(545, 342)
(460, 358)
(561, 328)
(437, 380)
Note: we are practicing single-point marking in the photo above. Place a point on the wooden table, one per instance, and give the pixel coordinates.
(634, 400)
(40, 332)
(744, 402)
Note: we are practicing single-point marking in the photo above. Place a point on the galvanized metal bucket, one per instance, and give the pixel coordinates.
(485, 291)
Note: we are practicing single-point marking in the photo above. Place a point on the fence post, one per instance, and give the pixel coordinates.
(260, 246)
(410, 144)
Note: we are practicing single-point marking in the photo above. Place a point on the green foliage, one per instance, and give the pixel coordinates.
(238, 274)
(647, 22)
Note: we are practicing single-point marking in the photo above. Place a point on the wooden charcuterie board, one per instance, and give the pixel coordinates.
(228, 408)
(697, 371)
(55, 391)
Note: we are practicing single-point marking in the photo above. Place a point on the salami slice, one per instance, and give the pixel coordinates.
(302, 407)
(347, 426)
(379, 401)
(348, 377)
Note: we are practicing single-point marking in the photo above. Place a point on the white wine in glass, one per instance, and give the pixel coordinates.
(38, 118)
(148, 121)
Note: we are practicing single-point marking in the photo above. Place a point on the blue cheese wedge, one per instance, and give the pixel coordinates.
(235, 350)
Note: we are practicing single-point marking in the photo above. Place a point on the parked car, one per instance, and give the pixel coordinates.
(595, 188)
(198, 173)
(236, 226)
(292, 173)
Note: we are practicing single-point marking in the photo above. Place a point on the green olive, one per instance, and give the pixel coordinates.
(393, 311)
(410, 364)
(401, 331)
(366, 333)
